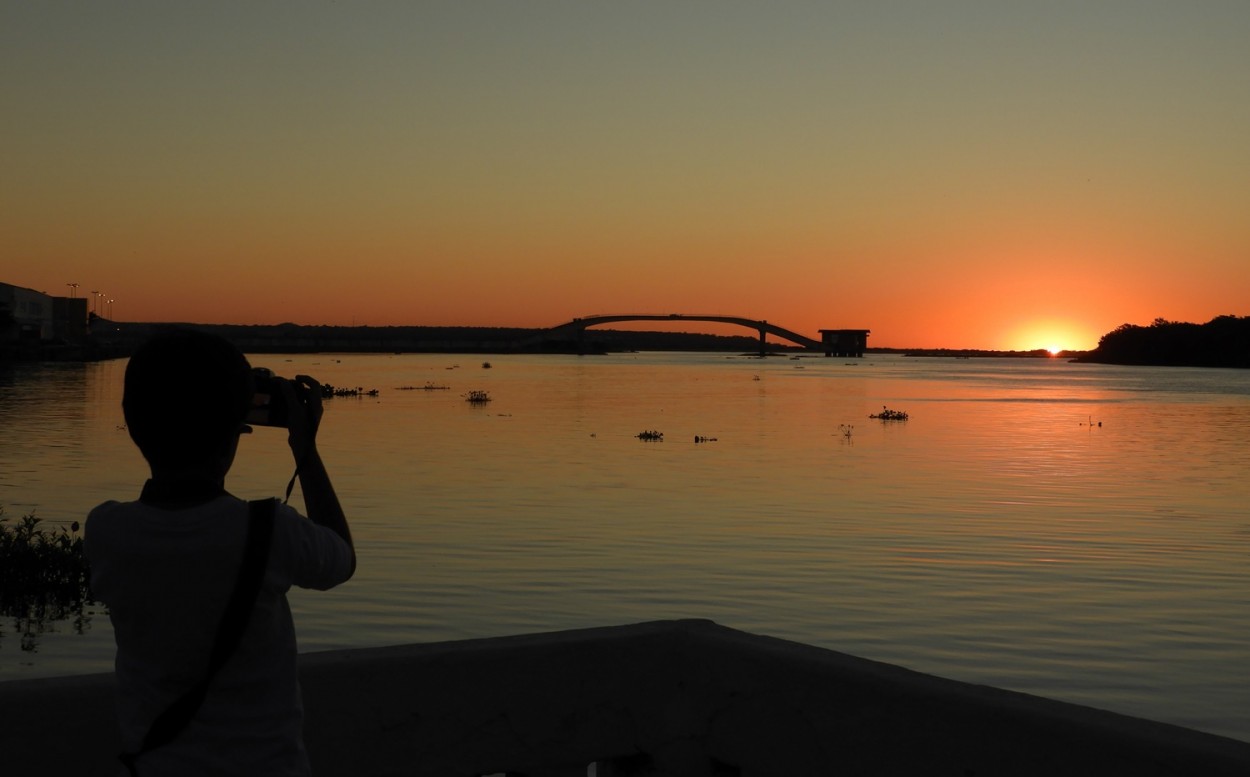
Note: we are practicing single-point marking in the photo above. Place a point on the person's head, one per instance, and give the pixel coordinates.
(186, 396)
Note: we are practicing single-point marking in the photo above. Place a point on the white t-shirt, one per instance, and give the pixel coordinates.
(166, 576)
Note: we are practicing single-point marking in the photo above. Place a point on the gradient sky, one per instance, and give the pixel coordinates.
(990, 174)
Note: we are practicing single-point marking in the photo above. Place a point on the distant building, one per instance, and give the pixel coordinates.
(32, 318)
(845, 342)
(25, 315)
(69, 319)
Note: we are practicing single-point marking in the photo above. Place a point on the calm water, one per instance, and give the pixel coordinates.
(996, 536)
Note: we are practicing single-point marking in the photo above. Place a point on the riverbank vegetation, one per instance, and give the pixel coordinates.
(44, 578)
(1224, 341)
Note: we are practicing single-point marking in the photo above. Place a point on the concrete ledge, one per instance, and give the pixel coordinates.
(673, 697)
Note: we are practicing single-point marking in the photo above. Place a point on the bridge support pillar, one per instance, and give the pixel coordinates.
(763, 343)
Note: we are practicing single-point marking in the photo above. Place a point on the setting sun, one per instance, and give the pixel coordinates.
(1051, 335)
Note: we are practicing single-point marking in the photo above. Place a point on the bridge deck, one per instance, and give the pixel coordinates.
(840, 342)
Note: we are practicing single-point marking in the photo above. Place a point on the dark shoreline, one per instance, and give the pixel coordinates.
(1222, 343)
(659, 697)
(109, 340)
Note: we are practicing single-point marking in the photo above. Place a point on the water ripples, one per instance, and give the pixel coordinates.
(1000, 535)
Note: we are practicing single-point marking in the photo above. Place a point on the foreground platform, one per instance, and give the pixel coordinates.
(663, 698)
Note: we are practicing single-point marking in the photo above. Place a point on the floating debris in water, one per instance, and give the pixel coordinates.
(700, 438)
(650, 435)
(429, 386)
(486, 365)
(328, 391)
(846, 430)
(887, 414)
(476, 397)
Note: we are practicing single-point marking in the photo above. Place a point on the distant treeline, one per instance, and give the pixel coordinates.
(1223, 341)
(295, 338)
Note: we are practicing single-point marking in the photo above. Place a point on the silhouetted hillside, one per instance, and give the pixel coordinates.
(1223, 341)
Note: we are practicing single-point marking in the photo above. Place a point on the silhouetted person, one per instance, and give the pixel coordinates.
(167, 564)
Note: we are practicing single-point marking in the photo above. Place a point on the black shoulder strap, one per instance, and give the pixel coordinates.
(170, 723)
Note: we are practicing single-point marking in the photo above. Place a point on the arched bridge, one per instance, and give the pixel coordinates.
(834, 342)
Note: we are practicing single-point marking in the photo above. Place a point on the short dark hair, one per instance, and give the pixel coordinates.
(186, 395)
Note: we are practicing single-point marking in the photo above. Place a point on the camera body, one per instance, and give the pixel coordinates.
(269, 405)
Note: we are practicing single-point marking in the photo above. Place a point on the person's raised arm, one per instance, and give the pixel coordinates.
(319, 497)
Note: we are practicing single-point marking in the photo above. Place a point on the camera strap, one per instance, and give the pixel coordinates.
(290, 485)
(175, 718)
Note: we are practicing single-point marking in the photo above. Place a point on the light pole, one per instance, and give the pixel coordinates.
(73, 289)
(110, 310)
(95, 303)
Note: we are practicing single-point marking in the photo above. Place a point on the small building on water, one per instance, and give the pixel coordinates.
(845, 342)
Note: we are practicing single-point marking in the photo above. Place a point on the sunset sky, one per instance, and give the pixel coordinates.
(991, 174)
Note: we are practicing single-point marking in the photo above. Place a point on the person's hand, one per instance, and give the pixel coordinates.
(303, 414)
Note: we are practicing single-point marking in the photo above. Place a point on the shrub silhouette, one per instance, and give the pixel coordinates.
(44, 578)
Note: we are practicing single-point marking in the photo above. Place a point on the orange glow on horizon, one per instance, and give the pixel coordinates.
(1054, 337)
(931, 313)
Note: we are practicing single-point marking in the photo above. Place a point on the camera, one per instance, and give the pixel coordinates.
(269, 405)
